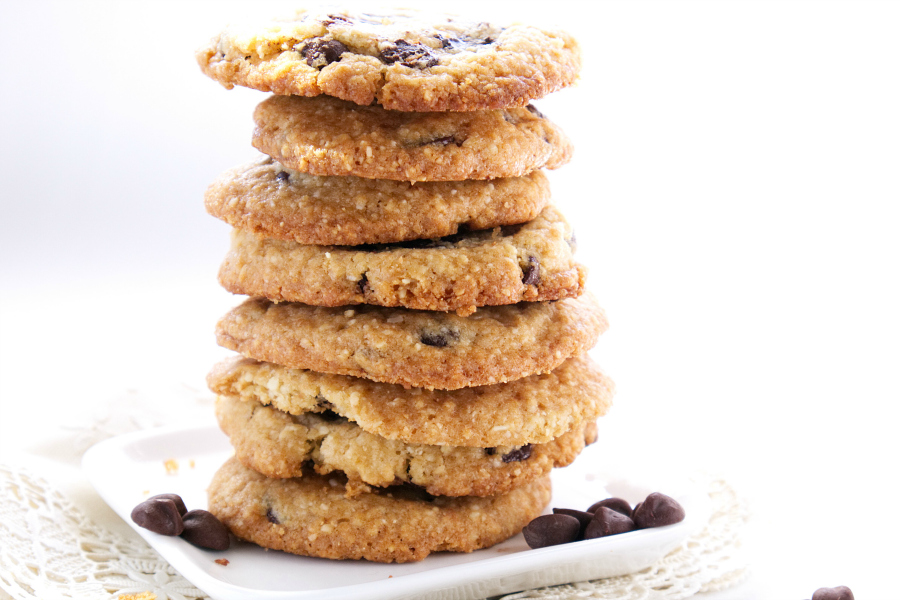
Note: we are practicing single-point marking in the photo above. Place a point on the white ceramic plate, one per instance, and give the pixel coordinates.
(127, 469)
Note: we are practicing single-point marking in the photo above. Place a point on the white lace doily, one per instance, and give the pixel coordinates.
(49, 549)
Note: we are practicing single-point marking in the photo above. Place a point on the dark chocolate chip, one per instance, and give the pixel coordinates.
(488, 40)
(445, 43)
(658, 510)
(332, 19)
(439, 339)
(583, 517)
(550, 530)
(203, 529)
(319, 53)
(606, 522)
(159, 515)
(272, 517)
(408, 55)
(179, 503)
(531, 273)
(835, 593)
(617, 504)
(535, 111)
(490, 451)
(282, 176)
(362, 284)
(519, 454)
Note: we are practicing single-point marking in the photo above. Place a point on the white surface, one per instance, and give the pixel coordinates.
(734, 189)
(128, 469)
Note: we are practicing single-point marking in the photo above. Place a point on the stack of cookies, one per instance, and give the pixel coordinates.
(413, 347)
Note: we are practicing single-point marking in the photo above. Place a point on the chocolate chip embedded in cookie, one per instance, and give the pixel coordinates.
(531, 410)
(312, 516)
(415, 348)
(408, 61)
(326, 136)
(529, 262)
(271, 200)
(278, 444)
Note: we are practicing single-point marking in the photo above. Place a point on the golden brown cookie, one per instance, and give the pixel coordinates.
(312, 516)
(326, 136)
(535, 409)
(409, 61)
(415, 348)
(278, 444)
(528, 262)
(271, 200)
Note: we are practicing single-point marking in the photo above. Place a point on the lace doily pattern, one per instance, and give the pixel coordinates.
(50, 549)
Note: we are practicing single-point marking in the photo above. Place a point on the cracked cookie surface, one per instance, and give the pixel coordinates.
(326, 136)
(415, 348)
(277, 444)
(271, 200)
(534, 409)
(408, 61)
(528, 262)
(312, 516)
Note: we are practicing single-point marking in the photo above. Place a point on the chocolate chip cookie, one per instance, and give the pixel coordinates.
(408, 61)
(529, 262)
(278, 444)
(415, 348)
(532, 410)
(327, 136)
(312, 516)
(271, 200)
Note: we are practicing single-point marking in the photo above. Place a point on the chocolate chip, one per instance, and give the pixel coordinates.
(490, 451)
(835, 593)
(658, 510)
(408, 55)
(179, 503)
(439, 339)
(203, 529)
(550, 530)
(272, 517)
(362, 284)
(531, 273)
(332, 19)
(159, 515)
(583, 517)
(319, 52)
(282, 176)
(530, 108)
(445, 42)
(617, 504)
(606, 522)
(519, 454)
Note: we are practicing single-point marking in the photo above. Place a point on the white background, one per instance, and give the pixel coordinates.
(735, 194)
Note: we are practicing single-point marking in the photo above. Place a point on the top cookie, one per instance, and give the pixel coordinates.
(409, 61)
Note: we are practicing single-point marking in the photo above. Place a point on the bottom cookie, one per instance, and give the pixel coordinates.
(311, 516)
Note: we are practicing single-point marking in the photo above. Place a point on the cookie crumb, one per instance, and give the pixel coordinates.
(171, 466)
(222, 561)
(141, 596)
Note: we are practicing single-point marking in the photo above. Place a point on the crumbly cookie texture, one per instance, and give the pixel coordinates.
(535, 409)
(415, 348)
(312, 516)
(408, 61)
(528, 262)
(277, 444)
(271, 200)
(327, 136)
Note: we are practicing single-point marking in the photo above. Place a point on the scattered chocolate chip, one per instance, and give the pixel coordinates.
(362, 284)
(550, 530)
(439, 339)
(408, 55)
(531, 273)
(488, 40)
(270, 515)
(203, 529)
(606, 522)
(617, 504)
(583, 517)
(835, 593)
(159, 515)
(490, 451)
(519, 454)
(282, 176)
(657, 510)
(445, 42)
(179, 503)
(332, 19)
(319, 52)
(530, 108)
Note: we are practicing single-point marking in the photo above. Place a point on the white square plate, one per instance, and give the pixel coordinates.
(127, 469)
